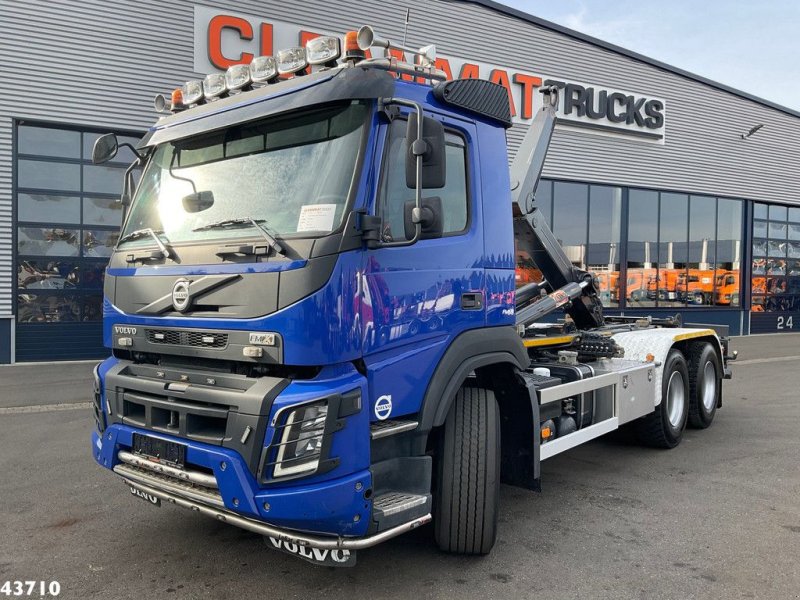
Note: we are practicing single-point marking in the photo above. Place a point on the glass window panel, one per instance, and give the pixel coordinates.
(777, 231)
(777, 213)
(48, 208)
(673, 249)
(47, 308)
(48, 175)
(776, 249)
(642, 246)
(759, 247)
(48, 275)
(605, 213)
(696, 286)
(570, 211)
(124, 155)
(759, 210)
(544, 200)
(48, 241)
(776, 266)
(794, 268)
(758, 304)
(729, 251)
(102, 211)
(99, 242)
(92, 274)
(794, 232)
(794, 215)
(92, 308)
(103, 179)
(759, 266)
(794, 250)
(760, 229)
(46, 141)
(454, 193)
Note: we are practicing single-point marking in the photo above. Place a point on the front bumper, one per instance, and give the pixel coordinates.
(339, 507)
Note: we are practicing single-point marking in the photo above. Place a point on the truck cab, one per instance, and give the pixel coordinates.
(312, 312)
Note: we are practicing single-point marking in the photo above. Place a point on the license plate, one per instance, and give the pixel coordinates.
(159, 450)
(324, 558)
(145, 496)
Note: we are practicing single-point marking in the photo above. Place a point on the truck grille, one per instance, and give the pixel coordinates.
(195, 339)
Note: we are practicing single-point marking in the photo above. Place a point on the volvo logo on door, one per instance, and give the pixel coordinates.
(181, 298)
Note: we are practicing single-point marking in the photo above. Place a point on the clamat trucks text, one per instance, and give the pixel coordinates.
(315, 328)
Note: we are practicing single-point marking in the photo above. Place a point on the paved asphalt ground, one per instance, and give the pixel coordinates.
(718, 517)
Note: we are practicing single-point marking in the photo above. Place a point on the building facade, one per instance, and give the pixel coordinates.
(680, 193)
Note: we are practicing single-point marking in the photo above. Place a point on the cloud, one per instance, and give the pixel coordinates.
(622, 31)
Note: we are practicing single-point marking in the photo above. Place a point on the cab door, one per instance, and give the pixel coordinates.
(417, 298)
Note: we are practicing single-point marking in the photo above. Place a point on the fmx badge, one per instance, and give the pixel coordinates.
(383, 407)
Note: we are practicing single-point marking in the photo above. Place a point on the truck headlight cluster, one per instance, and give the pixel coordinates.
(302, 433)
(97, 404)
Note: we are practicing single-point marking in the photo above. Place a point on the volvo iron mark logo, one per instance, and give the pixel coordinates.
(180, 295)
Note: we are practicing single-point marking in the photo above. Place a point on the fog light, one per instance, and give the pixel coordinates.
(291, 60)
(252, 352)
(324, 49)
(263, 69)
(191, 92)
(214, 85)
(237, 77)
(125, 341)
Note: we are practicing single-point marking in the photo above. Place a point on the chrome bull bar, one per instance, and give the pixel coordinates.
(158, 488)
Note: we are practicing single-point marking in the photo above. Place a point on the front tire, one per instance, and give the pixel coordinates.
(705, 384)
(663, 428)
(468, 474)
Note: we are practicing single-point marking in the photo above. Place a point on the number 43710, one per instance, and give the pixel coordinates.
(30, 588)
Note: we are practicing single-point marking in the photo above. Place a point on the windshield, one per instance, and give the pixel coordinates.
(293, 173)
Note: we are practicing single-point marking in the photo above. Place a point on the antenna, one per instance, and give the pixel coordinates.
(405, 31)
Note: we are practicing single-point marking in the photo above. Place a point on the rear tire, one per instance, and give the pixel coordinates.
(468, 474)
(664, 427)
(705, 384)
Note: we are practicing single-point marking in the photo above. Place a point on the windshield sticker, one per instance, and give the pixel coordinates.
(316, 217)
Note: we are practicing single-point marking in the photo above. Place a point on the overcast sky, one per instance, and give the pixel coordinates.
(751, 45)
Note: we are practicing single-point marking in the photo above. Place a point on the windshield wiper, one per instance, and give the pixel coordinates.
(148, 232)
(273, 243)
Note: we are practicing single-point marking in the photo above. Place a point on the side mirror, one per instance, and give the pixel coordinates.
(429, 217)
(433, 156)
(198, 201)
(105, 148)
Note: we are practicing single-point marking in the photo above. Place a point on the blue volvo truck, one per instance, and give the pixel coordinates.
(314, 327)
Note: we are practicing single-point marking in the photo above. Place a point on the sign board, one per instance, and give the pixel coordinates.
(222, 39)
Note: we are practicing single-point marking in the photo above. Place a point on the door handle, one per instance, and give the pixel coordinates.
(471, 301)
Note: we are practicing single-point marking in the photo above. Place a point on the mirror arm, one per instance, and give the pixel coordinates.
(139, 157)
(418, 147)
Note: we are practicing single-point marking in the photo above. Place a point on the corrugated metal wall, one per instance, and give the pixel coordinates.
(100, 64)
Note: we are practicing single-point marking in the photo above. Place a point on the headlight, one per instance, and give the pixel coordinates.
(291, 60)
(323, 49)
(214, 85)
(237, 77)
(97, 398)
(263, 68)
(300, 447)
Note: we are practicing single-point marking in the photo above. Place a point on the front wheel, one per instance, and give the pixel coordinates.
(468, 474)
(664, 427)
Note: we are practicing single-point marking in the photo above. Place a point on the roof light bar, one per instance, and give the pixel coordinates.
(291, 60)
(214, 85)
(263, 69)
(237, 77)
(322, 50)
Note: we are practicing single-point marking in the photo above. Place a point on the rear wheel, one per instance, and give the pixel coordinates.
(664, 427)
(468, 475)
(705, 384)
